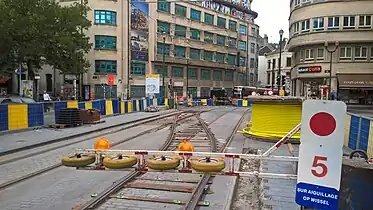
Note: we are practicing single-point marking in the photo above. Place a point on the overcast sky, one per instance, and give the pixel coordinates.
(272, 16)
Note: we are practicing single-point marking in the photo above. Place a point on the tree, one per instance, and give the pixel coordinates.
(38, 32)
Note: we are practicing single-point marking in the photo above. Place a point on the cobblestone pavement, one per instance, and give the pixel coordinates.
(35, 163)
(65, 188)
(11, 141)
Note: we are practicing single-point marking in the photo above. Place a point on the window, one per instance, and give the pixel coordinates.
(105, 42)
(195, 34)
(243, 29)
(192, 91)
(301, 55)
(252, 47)
(209, 37)
(268, 78)
(180, 31)
(365, 21)
(349, 22)
(105, 17)
(220, 57)
(179, 51)
(296, 3)
(205, 74)
(192, 73)
(306, 2)
(228, 76)
(371, 54)
(195, 15)
(163, 48)
(318, 24)
(49, 81)
(208, 55)
(221, 22)
(273, 63)
(333, 23)
(252, 63)
(158, 69)
(242, 61)
(177, 71)
(309, 55)
(195, 54)
(242, 45)
(180, 10)
(105, 67)
(361, 53)
(109, 92)
(320, 54)
(231, 59)
(138, 68)
(220, 40)
(233, 25)
(232, 42)
(218, 75)
(305, 25)
(164, 6)
(253, 31)
(288, 61)
(269, 64)
(163, 27)
(296, 27)
(209, 19)
(345, 53)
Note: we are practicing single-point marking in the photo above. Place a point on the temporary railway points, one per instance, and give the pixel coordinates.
(142, 167)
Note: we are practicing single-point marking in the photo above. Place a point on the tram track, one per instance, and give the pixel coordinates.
(59, 164)
(196, 192)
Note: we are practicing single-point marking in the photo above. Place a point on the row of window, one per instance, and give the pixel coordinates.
(273, 63)
(195, 34)
(180, 51)
(196, 15)
(332, 23)
(205, 74)
(357, 53)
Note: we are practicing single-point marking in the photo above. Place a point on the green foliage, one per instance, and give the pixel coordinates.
(37, 32)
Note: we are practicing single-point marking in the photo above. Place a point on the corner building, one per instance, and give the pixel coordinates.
(200, 45)
(314, 22)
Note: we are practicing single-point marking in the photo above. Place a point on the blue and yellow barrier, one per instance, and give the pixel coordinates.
(20, 116)
(241, 102)
(359, 133)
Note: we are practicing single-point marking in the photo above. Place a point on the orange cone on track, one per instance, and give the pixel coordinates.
(102, 144)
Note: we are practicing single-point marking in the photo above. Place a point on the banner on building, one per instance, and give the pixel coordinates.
(139, 30)
(152, 83)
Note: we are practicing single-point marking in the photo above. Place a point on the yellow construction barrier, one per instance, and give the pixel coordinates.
(274, 117)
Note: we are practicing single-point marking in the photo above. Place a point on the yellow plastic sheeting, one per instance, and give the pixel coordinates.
(155, 102)
(166, 101)
(138, 105)
(204, 102)
(275, 120)
(370, 141)
(17, 116)
(244, 102)
(88, 105)
(129, 106)
(347, 130)
(122, 106)
(109, 107)
(72, 104)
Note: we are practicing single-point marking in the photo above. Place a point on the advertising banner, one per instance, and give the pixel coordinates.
(152, 84)
(27, 88)
(139, 30)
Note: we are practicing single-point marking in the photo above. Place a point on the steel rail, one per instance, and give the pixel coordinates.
(52, 167)
(198, 191)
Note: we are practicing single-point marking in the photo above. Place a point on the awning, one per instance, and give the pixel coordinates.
(355, 80)
(4, 79)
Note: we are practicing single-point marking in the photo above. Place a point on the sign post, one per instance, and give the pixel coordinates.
(320, 154)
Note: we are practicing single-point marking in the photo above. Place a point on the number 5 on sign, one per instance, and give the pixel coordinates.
(320, 154)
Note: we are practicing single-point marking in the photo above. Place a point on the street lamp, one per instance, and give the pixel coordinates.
(281, 32)
(331, 51)
(187, 77)
(164, 65)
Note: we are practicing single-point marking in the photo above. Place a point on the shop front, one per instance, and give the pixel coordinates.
(355, 88)
(310, 82)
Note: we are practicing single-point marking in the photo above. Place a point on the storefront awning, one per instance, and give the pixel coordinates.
(4, 79)
(355, 80)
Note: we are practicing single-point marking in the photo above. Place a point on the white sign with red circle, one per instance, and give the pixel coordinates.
(320, 154)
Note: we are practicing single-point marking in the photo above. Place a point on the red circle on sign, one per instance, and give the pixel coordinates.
(322, 124)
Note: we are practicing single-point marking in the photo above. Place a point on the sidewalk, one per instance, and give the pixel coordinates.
(27, 138)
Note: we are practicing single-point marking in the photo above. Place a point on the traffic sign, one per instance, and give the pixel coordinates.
(320, 154)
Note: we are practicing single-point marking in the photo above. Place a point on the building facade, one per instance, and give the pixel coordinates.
(346, 27)
(195, 47)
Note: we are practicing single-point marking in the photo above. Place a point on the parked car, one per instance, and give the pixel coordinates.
(15, 99)
(151, 108)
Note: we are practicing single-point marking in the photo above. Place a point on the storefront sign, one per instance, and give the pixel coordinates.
(355, 80)
(309, 69)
